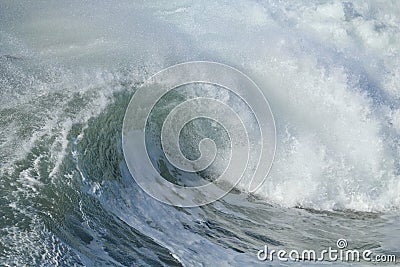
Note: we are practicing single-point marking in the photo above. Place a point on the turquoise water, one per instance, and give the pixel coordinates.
(67, 73)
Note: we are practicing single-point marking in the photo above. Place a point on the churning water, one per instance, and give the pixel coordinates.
(331, 73)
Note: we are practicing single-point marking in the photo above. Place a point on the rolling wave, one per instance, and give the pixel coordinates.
(330, 71)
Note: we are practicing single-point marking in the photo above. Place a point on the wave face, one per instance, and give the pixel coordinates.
(330, 71)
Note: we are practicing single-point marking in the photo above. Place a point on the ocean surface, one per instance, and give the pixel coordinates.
(68, 69)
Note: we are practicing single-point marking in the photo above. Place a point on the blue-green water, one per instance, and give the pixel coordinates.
(67, 73)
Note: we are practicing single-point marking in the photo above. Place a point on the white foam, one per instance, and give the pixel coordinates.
(330, 71)
(320, 65)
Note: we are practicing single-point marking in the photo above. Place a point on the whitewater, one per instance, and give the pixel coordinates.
(329, 69)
